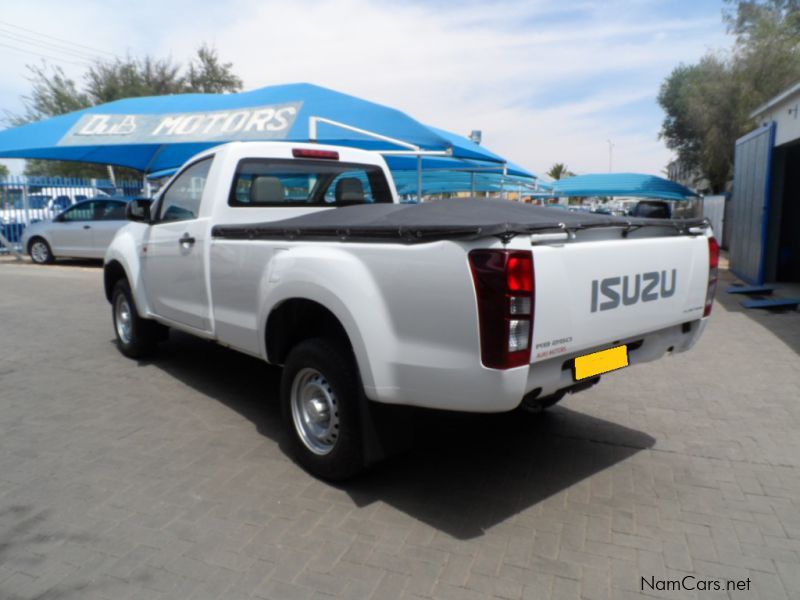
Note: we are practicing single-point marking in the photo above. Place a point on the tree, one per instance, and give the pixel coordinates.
(559, 171)
(208, 76)
(4, 171)
(53, 93)
(708, 104)
(705, 116)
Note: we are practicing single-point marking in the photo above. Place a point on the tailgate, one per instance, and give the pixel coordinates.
(592, 294)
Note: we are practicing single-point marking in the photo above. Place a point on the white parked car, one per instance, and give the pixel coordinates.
(84, 230)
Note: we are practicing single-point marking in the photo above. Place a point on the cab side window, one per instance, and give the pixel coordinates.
(181, 200)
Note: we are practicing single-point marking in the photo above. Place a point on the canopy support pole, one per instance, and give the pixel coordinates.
(472, 184)
(419, 178)
(416, 153)
(26, 205)
(312, 132)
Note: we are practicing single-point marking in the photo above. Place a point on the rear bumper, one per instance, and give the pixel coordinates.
(474, 388)
(556, 373)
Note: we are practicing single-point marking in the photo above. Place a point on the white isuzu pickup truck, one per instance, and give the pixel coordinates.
(301, 254)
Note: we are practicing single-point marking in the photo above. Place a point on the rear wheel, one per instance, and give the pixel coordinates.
(136, 337)
(320, 396)
(40, 251)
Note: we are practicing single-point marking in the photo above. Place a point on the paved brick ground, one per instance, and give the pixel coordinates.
(167, 479)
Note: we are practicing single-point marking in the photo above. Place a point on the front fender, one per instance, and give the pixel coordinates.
(125, 249)
(339, 281)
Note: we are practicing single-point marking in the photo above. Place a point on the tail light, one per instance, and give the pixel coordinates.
(713, 274)
(504, 286)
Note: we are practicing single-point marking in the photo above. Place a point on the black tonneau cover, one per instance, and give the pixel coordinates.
(454, 218)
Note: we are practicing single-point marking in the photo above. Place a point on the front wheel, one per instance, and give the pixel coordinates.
(40, 251)
(320, 396)
(136, 337)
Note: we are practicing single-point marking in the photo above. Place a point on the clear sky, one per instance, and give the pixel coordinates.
(545, 80)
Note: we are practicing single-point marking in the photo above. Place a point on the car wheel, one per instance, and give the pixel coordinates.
(136, 337)
(40, 252)
(320, 396)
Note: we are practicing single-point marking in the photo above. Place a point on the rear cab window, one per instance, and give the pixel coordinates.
(291, 182)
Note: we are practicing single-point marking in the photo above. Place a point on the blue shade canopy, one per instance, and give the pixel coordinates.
(161, 132)
(438, 182)
(434, 163)
(622, 184)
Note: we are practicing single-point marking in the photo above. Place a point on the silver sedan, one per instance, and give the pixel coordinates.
(82, 231)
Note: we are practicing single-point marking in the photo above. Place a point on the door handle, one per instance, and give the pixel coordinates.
(87, 226)
(186, 240)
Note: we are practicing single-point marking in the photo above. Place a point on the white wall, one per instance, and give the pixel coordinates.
(714, 211)
(786, 114)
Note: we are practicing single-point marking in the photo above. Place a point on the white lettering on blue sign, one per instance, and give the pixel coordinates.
(262, 122)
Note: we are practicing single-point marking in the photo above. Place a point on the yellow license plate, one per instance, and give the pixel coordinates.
(601, 362)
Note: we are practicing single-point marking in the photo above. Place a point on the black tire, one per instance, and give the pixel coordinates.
(40, 252)
(342, 393)
(142, 334)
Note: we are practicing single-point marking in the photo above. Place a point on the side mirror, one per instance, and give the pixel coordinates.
(139, 210)
(59, 218)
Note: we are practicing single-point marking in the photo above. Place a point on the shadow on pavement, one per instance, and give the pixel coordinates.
(783, 324)
(26, 540)
(79, 262)
(464, 472)
(467, 473)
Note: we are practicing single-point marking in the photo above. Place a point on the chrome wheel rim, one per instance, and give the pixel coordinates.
(122, 319)
(39, 252)
(315, 411)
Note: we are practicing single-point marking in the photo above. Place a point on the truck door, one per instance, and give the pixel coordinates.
(173, 257)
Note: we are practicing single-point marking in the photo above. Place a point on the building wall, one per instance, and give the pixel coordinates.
(787, 118)
(782, 214)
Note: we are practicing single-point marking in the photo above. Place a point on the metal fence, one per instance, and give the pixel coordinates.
(25, 200)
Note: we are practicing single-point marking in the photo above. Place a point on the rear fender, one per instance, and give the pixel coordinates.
(339, 281)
